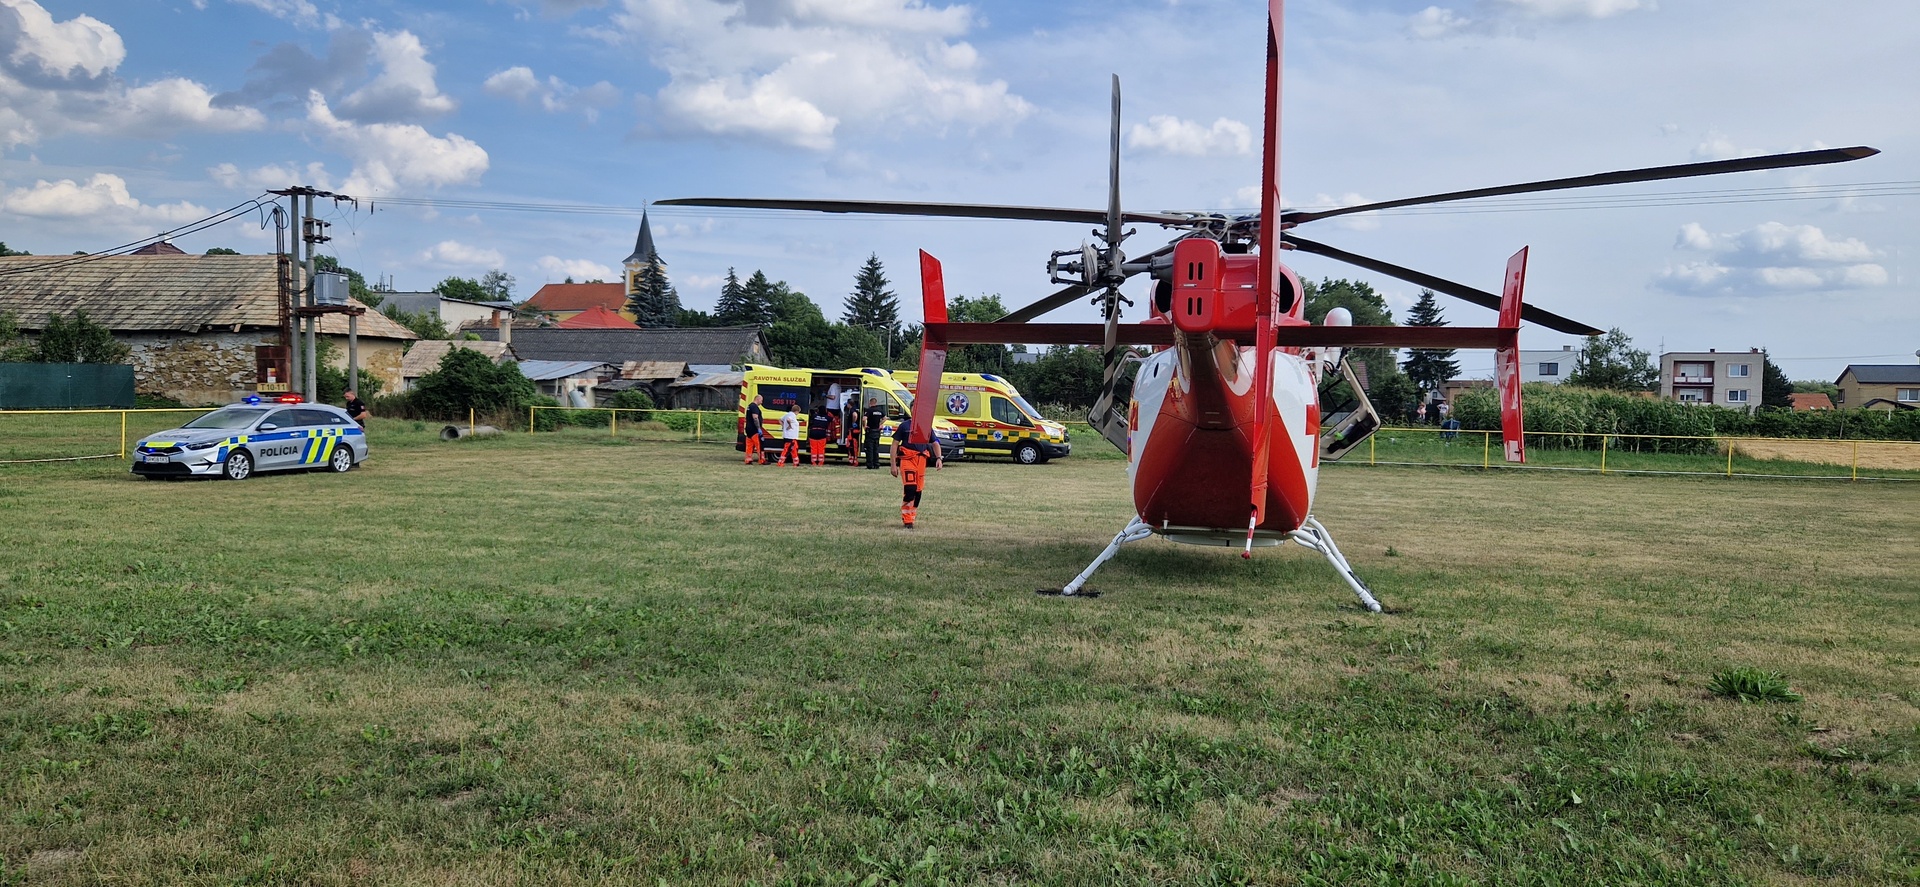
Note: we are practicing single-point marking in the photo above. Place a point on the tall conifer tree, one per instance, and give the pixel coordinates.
(1429, 367)
(871, 305)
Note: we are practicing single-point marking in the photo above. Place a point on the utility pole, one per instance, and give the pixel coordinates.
(304, 367)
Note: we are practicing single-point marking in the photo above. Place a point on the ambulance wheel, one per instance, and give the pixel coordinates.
(342, 461)
(239, 466)
(1027, 453)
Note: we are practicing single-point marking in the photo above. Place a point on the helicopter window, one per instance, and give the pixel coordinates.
(1006, 413)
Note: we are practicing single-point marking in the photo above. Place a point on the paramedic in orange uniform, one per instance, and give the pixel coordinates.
(755, 430)
(819, 424)
(910, 466)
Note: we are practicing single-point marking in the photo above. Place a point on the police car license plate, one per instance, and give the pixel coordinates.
(158, 459)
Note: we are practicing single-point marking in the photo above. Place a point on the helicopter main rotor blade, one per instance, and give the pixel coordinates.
(1479, 297)
(949, 210)
(1114, 213)
(1622, 177)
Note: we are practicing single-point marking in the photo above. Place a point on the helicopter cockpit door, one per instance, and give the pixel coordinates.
(1109, 413)
(1347, 430)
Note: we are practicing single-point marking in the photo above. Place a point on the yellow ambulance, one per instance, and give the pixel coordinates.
(852, 391)
(994, 418)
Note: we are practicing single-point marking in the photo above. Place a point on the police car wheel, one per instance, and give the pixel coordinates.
(1027, 453)
(239, 466)
(342, 460)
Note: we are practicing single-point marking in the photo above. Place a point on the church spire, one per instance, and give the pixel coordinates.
(643, 251)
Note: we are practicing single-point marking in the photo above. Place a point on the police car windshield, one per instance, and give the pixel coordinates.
(231, 417)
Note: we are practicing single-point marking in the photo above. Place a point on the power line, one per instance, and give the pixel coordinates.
(220, 218)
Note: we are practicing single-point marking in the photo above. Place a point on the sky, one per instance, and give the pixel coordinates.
(526, 135)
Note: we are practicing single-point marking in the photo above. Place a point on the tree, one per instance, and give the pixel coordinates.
(734, 309)
(975, 358)
(1800, 386)
(14, 348)
(871, 305)
(425, 324)
(498, 285)
(1775, 390)
(1611, 363)
(1429, 368)
(1392, 393)
(1067, 375)
(653, 302)
(463, 288)
(79, 341)
(6, 251)
(222, 251)
(467, 379)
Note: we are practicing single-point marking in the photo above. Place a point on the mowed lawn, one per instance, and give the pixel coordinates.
(566, 659)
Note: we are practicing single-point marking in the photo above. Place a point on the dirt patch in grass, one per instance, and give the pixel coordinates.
(1886, 455)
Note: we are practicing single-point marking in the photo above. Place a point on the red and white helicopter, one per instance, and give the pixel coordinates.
(1222, 423)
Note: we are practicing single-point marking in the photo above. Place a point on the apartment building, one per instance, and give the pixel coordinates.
(1727, 378)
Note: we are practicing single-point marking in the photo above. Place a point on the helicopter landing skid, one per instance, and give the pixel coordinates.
(1135, 531)
(1314, 535)
(1311, 534)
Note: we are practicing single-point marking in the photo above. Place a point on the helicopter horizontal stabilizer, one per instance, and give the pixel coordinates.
(1162, 334)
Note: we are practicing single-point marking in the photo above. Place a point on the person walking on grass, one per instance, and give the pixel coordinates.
(819, 426)
(790, 435)
(756, 432)
(910, 466)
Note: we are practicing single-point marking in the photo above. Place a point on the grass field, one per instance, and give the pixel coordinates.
(567, 659)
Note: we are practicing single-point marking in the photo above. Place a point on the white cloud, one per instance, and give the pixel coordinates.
(454, 254)
(404, 89)
(1498, 16)
(103, 198)
(82, 46)
(300, 12)
(1166, 134)
(1773, 257)
(391, 156)
(552, 94)
(58, 78)
(796, 71)
(271, 176)
(578, 269)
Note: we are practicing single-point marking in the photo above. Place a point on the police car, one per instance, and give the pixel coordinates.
(236, 441)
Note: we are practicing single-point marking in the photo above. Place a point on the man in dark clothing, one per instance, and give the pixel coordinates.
(755, 431)
(876, 413)
(356, 409)
(910, 466)
(819, 424)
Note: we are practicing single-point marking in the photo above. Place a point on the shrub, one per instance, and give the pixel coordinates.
(1749, 684)
(468, 380)
(634, 399)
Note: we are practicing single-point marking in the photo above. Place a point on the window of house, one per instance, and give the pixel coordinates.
(1737, 369)
(1549, 369)
(1737, 395)
(1907, 395)
(1690, 396)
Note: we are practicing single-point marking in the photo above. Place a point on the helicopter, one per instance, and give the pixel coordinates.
(1222, 422)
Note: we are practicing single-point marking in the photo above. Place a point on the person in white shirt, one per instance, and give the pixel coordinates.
(790, 436)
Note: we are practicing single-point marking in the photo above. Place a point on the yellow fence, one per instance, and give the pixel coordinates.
(33, 436)
(700, 424)
(1650, 454)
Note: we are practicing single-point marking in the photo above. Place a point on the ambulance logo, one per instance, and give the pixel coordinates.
(956, 403)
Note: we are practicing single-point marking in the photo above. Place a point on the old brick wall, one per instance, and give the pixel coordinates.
(218, 367)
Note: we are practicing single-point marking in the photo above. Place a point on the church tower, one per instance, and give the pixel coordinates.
(643, 253)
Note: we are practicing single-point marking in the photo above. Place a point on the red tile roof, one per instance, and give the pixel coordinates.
(1815, 400)
(579, 296)
(598, 318)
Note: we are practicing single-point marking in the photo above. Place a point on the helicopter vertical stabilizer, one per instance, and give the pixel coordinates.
(933, 347)
(1506, 359)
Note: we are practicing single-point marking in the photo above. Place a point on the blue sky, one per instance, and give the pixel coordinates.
(121, 119)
